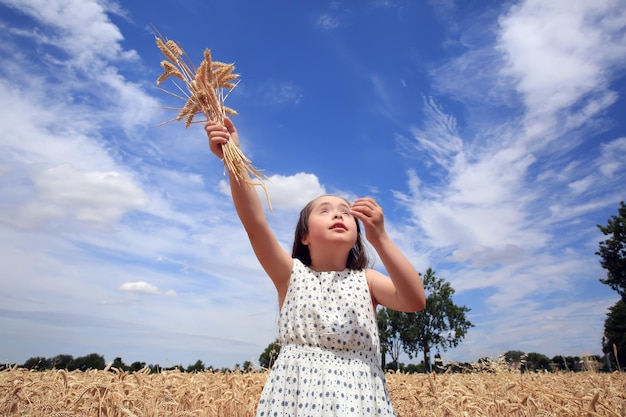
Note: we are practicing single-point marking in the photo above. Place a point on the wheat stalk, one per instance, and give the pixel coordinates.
(204, 91)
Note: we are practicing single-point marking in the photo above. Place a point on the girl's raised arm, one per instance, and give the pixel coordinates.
(276, 262)
(404, 291)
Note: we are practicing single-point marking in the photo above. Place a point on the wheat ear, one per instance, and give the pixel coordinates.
(204, 91)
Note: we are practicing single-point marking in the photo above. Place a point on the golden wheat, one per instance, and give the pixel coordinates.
(115, 393)
(204, 91)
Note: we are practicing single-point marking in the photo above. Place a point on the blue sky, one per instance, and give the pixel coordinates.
(492, 133)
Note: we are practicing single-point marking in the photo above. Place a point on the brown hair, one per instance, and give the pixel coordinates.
(357, 258)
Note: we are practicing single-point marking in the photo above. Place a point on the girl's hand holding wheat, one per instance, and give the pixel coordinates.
(219, 135)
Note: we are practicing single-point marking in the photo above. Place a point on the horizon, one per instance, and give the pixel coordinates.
(256, 367)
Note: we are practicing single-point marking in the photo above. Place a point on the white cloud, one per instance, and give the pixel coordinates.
(439, 137)
(485, 196)
(291, 192)
(613, 157)
(141, 287)
(38, 129)
(85, 32)
(328, 21)
(97, 198)
(582, 185)
(295, 191)
(279, 93)
(561, 52)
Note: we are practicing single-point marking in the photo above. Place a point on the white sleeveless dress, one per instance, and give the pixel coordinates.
(329, 361)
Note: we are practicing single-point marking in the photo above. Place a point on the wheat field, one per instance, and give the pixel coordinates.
(114, 393)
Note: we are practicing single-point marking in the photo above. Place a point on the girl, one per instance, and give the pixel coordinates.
(329, 358)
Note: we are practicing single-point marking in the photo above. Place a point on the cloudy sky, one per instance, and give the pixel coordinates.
(492, 133)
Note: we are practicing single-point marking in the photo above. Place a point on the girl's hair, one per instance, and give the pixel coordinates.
(357, 258)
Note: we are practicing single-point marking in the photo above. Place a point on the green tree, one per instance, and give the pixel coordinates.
(413, 368)
(137, 366)
(390, 323)
(384, 335)
(613, 252)
(513, 356)
(62, 361)
(537, 362)
(269, 355)
(248, 366)
(119, 364)
(614, 340)
(197, 367)
(441, 324)
(91, 361)
(564, 363)
(38, 363)
(155, 368)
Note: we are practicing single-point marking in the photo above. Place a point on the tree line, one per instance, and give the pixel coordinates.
(96, 361)
(525, 362)
(441, 325)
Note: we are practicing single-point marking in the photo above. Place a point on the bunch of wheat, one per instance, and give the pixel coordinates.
(205, 91)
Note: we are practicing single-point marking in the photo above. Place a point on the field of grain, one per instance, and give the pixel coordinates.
(115, 393)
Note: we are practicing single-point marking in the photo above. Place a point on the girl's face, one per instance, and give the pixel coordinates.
(330, 221)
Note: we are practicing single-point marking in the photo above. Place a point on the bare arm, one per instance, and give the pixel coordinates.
(275, 261)
(404, 291)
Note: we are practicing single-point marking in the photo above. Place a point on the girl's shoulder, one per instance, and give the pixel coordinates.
(297, 264)
(373, 275)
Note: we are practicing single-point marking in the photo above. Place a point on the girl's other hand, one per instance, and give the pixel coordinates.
(371, 215)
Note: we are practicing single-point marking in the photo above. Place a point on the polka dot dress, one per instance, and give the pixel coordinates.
(329, 361)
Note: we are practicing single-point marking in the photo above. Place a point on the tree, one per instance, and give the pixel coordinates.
(62, 361)
(269, 355)
(197, 367)
(537, 362)
(613, 252)
(38, 363)
(137, 366)
(91, 361)
(614, 340)
(248, 366)
(119, 364)
(565, 363)
(513, 356)
(440, 324)
(155, 368)
(389, 326)
(384, 335)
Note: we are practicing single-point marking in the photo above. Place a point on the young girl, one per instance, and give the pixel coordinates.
(329, 361)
